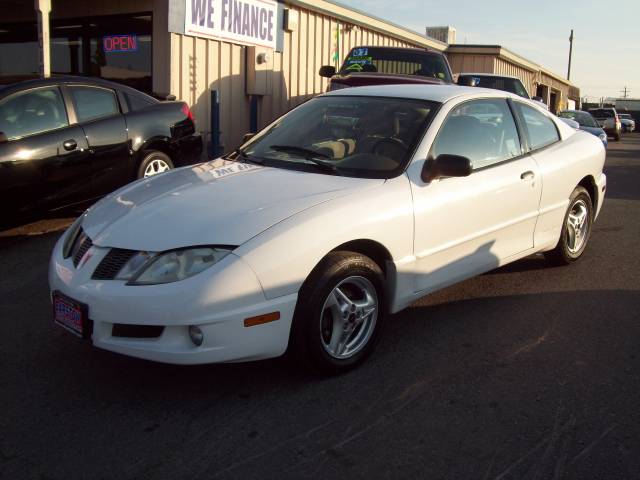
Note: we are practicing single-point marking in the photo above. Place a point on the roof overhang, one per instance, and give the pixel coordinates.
(356, 17)
(505, 54)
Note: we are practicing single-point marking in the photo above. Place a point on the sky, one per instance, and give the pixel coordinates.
(606, 49)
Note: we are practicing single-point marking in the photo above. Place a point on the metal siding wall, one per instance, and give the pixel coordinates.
(198, 66)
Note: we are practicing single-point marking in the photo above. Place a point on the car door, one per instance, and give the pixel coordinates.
(44, 161)
(544, 145)
(468, 225)
(98, 112)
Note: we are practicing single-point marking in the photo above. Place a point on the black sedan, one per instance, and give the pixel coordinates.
(69, 140)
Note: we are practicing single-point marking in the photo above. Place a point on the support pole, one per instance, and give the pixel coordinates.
(43, 8)
(570, 53)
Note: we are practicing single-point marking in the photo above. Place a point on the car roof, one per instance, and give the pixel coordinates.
(434, 93)
(404, 49)
(480, 74)
(65, 80)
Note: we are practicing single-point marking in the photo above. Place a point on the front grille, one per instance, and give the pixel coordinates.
(112, 263)
(136, 331)
(82, 244)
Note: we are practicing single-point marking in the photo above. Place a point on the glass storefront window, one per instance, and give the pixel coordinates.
(113, 47)
(18, 51)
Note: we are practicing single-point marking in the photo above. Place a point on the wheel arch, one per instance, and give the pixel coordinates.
(160, 144)
(377, 252)
(589, 184)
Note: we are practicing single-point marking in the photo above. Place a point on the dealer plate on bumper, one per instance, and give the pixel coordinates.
(70, 314)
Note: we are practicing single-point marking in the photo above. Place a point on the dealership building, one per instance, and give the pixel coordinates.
(238, 63)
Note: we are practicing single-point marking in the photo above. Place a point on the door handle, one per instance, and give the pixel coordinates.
(528, 175)
(70, 145)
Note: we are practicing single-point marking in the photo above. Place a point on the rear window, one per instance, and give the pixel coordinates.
(396, 61)
(583, 118)
(506, 84)
(601, 112)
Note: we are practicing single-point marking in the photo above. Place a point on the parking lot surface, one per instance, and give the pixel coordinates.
(525, 372)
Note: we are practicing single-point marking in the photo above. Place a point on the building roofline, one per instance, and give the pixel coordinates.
(364, 19)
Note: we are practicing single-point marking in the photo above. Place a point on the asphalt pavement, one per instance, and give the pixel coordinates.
(527, 372)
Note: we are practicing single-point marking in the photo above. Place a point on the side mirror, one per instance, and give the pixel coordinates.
(3, 137)
(327, 71)
(446, 165)
(247, 137)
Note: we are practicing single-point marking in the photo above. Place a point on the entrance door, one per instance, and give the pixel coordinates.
(468, 225)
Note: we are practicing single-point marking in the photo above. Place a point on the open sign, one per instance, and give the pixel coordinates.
(120, 43)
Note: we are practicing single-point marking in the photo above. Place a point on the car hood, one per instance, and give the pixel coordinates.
(365, 79)
(216, 203)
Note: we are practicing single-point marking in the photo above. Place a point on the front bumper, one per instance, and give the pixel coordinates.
(217, 300)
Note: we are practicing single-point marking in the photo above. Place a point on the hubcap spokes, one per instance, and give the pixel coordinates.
(348, 317)
(577, 226)
(155, 167)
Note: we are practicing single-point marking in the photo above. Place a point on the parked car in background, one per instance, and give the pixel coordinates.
(571, 123)
(628, 123)
(68, 140)
(494, 81)
(608, 119)
(586, 122)
(388, 65)
(350, 207)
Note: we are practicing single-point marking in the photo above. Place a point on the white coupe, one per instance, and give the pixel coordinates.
(348, 208)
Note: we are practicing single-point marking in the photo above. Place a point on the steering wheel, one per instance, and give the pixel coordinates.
(395, 143)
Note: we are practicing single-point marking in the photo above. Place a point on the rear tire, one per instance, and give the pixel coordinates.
(153, 163)
(576, 229)
(340, 313)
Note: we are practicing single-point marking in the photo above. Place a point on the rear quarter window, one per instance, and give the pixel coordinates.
(138, 102)
(541, 130)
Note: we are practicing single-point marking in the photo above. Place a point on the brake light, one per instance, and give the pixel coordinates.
(187, 111)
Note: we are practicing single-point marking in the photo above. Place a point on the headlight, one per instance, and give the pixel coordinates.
(152, 269)
(71, 235)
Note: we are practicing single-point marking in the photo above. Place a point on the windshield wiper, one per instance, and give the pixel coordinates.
(308, 154)
(239, 153)
(303, 152)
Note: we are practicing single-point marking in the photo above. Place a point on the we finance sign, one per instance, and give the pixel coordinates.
(250, 22)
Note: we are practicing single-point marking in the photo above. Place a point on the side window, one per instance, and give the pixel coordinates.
(481, 130)
(137, 102)
(31, 112)
(541, 129)
(93, 102)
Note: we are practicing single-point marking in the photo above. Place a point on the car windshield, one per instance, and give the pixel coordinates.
(396, 61)
(583, 118)
(601, 112)
(625, 116)
(506, 84)
(369, 137)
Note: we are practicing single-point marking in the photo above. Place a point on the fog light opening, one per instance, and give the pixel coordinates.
(197, 337)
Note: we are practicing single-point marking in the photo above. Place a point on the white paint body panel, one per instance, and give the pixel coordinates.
(284, 222)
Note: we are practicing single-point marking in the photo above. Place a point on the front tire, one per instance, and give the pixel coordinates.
(576, 229)
(340, 313)
(153, 163)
